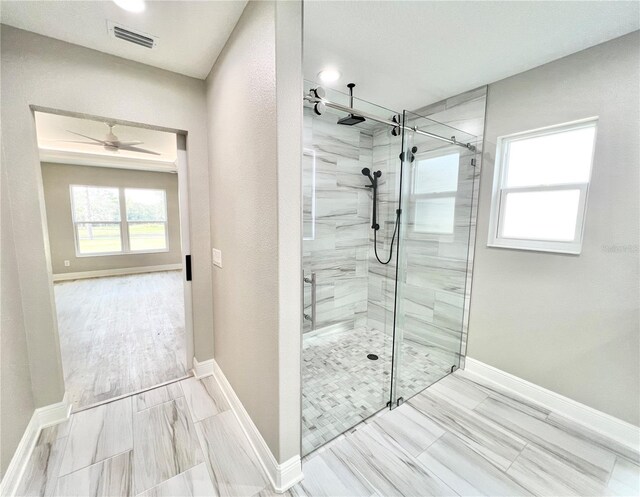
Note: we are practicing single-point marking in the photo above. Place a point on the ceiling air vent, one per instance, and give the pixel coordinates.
(127, 34)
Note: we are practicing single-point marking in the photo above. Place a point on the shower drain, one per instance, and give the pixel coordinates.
(373, 357)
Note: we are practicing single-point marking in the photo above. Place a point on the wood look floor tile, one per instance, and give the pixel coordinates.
(97, 434)
(108, 478)
(232, 462)
(165, 444)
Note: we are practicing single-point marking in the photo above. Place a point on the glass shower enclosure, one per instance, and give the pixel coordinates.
(386, 224)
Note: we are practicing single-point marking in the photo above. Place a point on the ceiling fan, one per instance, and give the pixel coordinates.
(111, 142)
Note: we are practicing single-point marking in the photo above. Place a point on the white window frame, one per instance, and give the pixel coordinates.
(500, 192)
(123, 223)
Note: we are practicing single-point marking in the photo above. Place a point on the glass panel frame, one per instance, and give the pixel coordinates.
(429, 347)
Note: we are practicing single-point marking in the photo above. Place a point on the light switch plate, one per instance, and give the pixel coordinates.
(67, 263)
(216, 257)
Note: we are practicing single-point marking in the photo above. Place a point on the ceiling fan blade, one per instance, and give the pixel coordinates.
(79, 141)
(127, 144)
(131, 148)
(102, 142)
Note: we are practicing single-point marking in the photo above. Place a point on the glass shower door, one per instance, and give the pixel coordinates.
(347, 335)
(432, 284)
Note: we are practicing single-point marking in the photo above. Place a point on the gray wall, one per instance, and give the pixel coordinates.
(569, 323)
(51, 73)
(17, 404)
(56, 180)
(255, 114)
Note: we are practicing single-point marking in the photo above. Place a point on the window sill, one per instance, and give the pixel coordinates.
(565, 251)
(111, 254)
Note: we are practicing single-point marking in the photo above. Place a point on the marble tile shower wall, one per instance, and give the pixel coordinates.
(467, 113)
(335, 247)
(353, 289)
(437, 276)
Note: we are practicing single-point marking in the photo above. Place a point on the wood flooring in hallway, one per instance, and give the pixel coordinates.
(120, 334)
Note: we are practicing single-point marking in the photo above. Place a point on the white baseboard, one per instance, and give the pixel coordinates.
(41, 418)
(282, 476)
(610, 426)
(202, 369)
(115, 272)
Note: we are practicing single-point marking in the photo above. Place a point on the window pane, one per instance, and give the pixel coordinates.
(562, 157)
(147, 236)
(145, 205)
(435, 215)
(96, 238)
(437, 174)
(94, 203)
(549, 215)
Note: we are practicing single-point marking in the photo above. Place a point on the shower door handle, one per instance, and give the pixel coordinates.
(312, 281)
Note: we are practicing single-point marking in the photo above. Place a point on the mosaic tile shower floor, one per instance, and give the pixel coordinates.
(342, 387)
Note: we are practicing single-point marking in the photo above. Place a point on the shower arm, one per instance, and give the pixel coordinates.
(314, 100)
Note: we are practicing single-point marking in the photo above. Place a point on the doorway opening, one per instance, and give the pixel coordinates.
(114, 198)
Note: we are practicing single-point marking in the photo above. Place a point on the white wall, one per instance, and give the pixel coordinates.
(254, 100)
(49, 73)
(569, 323)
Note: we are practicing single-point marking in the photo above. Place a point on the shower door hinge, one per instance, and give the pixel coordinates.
(399, 401)
(453, 368)
(473, 163)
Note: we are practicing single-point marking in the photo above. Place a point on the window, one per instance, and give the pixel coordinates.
(109, 221)
(146, 219)
(434, 189)
(540, 188)
(96, 219)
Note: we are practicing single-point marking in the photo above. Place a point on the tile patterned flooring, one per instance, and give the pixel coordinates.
(341, 387)
(459, 437)
(99, 318)
(455, 438)
(180, 439)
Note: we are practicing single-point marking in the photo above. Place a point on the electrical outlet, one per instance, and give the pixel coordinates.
(216, 257)
(67, 263)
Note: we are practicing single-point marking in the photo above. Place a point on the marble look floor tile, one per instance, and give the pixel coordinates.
(231, 459)
(42, 469)
(493, 442)
(194, 482)
(545, 475)
(165, 444)
(466, 471)
(579, 430)
(326, 476)
(97, 434)
(515, 401)
(459, 391)
(157, 396)
(409, 428)
(108, 478)
(387, 468)
(580, 452)
(204, 397)
(625, 478)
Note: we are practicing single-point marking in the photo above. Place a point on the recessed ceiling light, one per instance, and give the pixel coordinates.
(329, 75)
(130, 5)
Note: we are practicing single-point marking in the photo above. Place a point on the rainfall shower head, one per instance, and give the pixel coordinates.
(351, 119)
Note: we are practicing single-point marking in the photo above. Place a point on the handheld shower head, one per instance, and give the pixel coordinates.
(367, 172)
